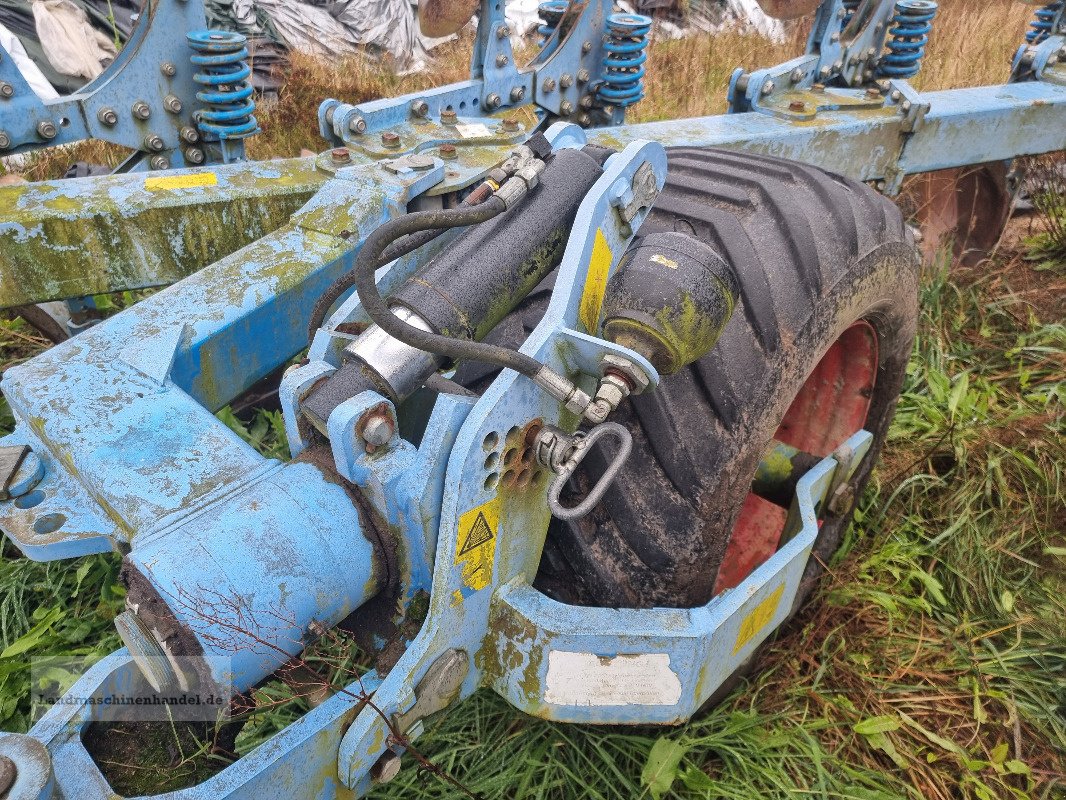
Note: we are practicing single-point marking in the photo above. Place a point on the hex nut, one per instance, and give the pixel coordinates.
(190, 135)
(357, 125)
(518, 93)
(141, 110)
(154, 142)
(168, 69)
(6, 90)
(493, 101)
(448, 117)
(5, 140)
(194, 155)
(46, 129)
(160, 162)
(107, 116)
(420, 108)
(172, 103)
(502, 60)
(390, 139)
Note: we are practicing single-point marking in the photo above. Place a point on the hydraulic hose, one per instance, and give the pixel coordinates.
(370, 258)
(431, 224)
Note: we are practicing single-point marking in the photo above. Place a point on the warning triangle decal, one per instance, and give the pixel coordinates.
(479, 533)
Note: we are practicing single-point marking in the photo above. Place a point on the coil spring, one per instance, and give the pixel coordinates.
(227, 95)
(908, 38)
(1044, 22)
(623, 65)
(551, 13)
(850, 7)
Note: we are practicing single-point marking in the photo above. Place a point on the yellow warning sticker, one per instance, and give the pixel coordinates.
(758, 618)
(475, 550)
(168, 182)
(595, 283)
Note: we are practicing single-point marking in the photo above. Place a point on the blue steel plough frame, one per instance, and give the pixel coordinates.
(125, 452)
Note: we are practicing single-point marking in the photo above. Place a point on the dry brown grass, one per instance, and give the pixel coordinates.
(973, 44)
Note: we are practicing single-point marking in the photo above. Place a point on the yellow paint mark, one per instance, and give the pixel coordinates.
(475, 549)
(168, 182)
(666, 262)
(758, 618)
(595, 283)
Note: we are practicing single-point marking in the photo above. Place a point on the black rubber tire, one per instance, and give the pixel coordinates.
(814, 253)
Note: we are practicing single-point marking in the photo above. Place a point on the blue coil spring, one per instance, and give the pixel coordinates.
(850, 7)
(220, 57)
(551, 14)
(1043, 23)
(908, 38)
(623, 64)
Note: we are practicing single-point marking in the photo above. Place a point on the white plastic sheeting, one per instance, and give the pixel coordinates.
(340, 29)
(71, 44)
(30, 71)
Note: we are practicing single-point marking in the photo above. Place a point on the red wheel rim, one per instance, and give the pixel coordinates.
(832, 404)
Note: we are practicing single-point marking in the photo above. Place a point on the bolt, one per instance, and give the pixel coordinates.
(390, 139)
(906, 106)
(448, 117)
(583, 76)
(8, 773)
(190, 135)
(194, 155)
(842, 499)
(159, 162)
(340, 155)
(586, 48)
(873, 94)
(797, 105)
(818, 88)
(154, 142)
(378, 431)
(825, 72)
(448, 151)
(172, 104)
(168, 69)
(420, 108)
(46, 129)
(896, 95)
(6, 90)
(502, 31)
(386, 768)
(501, 60)
(586, 102)
(835, 37)
(566, 81)
(768, 88)
(357, 125)
(510, 124)
(566, 108)
(518, 94)
(584, 120)
(141, 110)
(884, 86)
(549, 85)
(796, 75)
(5, 140)
(493, 101)
(107, 116)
